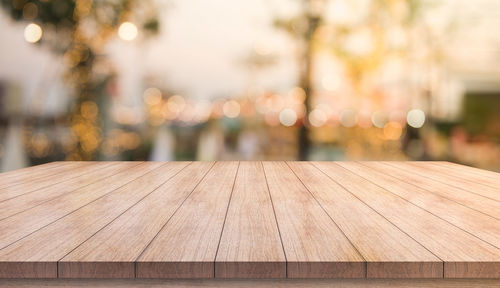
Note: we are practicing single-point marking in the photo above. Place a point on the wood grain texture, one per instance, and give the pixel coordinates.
(251, 220)
(470, 256)
(20, 225)
(111, 253)
(53, 242)
(481, 225)
(23, 269)
(468, 170)
(30, 173)
(250, 246)
(186, 247)
(483, 269)
(471, 200)
(483, 177)
(30, 200)
(314, 246)
(435, 172)
(396, 255)
(29, 184)
(253, 283)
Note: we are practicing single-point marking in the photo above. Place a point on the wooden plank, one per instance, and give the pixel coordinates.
(37, 197)
(314, 246)
(107, 255)
(32, 168)
(350, 219)
(53, 242)
(187, 245)
(389, 252)
(30, 175)
(250, 246)
(21, 175)
(482, 177)
(253, 283)
(32, 184)
(469, 169)
(464, 255)
(474, 201)
(479, 224)
(24, 223)
(434, 173)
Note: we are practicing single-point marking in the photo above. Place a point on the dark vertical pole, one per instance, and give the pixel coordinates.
(304, 140)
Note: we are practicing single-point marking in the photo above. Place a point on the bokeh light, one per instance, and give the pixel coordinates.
(127, 31)
(379, 119)
(176, 103)
(317, 117)
(32, 33)
(392, 131)
(152, 96)
(231, 109)
(415, 118)
(370, 73)
(288, 117)
(348, 118)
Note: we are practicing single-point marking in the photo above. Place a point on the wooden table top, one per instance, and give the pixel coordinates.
(250, 220)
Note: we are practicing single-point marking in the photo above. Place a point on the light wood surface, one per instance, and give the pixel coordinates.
(53, 242)
(30, 173)
(483, 177)
(187, 245)
(479, 224)
(234, 220)
(29, 200)
(123, 240)
(466, 198)
(314, 245)
(396, 255)
(31, 220)
(58, 174)
(436, 173)
(464, 254)
(250, 246)
(469, 170)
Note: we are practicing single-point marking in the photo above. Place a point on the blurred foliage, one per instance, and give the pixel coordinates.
(481, 114)
(80, 31)
(302, 28)
(313, 34)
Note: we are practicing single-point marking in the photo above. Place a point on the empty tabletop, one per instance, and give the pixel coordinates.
(249, 220)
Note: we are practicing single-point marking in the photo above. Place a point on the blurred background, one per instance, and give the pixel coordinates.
(249, 80)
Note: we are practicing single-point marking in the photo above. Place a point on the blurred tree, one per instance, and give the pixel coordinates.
(362, 47)
(79, 30)
(303, 29)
